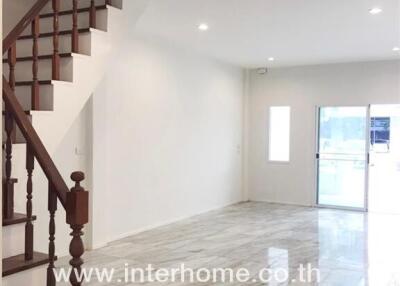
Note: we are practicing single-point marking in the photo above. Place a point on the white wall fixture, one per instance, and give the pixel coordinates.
(203, 27)
(375, 11)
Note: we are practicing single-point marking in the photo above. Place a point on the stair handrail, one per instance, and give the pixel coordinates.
(74, 201)
(23, 24)
(33, 139)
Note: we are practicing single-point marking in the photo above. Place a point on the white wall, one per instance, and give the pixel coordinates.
(167, 137)
(304, 88)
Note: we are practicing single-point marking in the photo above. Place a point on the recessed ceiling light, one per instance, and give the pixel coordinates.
(375, 11)
(271, 59)
(203, 27)
(396, 49)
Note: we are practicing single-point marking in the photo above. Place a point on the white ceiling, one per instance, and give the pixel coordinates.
(294, 32)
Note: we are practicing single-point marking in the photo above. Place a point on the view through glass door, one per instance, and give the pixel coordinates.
(384, 171)
(342, 157)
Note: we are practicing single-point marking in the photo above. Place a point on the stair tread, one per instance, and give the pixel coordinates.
(15, 264)
(27, 112)
(29, 82)
(13, 180)
(50, 34)
(69, 12)
(17, 219)
(43, 57)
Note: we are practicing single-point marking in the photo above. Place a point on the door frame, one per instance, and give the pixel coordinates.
(367, 156)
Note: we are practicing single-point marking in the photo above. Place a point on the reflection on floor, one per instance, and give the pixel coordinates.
(349, 248)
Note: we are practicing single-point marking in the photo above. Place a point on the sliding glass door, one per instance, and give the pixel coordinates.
(342, 157)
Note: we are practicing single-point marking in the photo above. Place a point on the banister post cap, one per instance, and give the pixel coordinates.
(77, 177)
(77, 201)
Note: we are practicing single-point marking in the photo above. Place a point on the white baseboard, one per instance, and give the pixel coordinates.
(282, 202)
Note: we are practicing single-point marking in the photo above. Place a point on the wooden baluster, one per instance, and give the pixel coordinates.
(35, 64)
(7, 203)
(75, 33)
(12, 60)
(77, 217)
(8, 199)
(92, 14)
(56, 55)
(108, 2)
(8, 191)
(14, 134)
(30, 161)
(52, 207)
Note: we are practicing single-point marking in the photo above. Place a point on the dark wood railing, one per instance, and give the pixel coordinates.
(74, 201)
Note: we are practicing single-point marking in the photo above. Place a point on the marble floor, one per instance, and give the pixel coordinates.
(348, 248)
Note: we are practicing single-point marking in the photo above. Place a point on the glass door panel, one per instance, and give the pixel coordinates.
(342, 156)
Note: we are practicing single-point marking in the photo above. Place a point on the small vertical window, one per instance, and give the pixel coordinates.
(279, 133)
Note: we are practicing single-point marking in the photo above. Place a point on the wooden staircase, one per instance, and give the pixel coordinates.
(17, 120)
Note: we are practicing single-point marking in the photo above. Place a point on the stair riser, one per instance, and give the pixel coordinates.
(36, 276)
(19, 138)
(8, 199)
(24, 47)
(23, 70)
(13, 240)
(23, 94)
(19, 171)
(65, 22)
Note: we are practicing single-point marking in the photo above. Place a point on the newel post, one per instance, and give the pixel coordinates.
(77, 217)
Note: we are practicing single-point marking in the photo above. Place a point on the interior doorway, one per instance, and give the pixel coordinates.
(384, 167)
(342, 152)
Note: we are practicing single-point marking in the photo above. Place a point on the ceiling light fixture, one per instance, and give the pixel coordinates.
(271, 59)
(203, 27)
(396, 49)
(262, 71)
(375, 11)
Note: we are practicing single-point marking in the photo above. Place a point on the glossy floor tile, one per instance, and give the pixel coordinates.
(348, 248)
